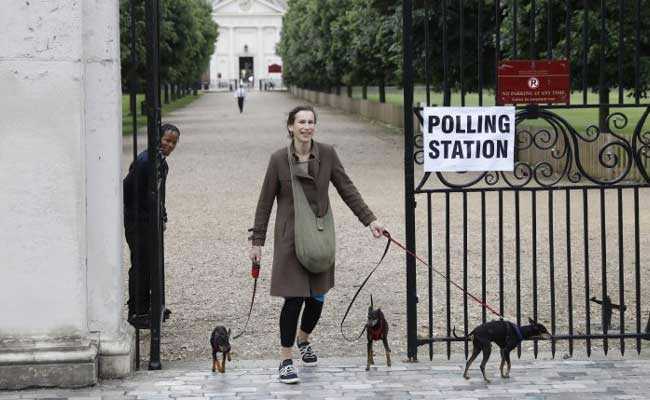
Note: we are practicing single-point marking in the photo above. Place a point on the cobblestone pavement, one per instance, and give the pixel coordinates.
(347, 379)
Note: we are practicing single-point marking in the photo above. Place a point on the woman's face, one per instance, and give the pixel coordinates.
(303, 127)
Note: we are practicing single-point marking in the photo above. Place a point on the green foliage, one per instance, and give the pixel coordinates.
(358, 42)
(127, 119)
(562, 39)
(326, 43)
(370, 43)
(187, 38)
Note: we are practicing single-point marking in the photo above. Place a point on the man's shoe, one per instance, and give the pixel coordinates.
(288, 372)
(140, 321)
(307, 355)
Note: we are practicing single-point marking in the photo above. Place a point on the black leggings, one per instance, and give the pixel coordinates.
(289, 317)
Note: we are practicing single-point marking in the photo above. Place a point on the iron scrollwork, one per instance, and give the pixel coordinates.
(557, 154)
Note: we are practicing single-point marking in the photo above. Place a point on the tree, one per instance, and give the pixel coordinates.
(311, 57)
(329, 42)
(297, 59)
(187, 38)
(370, 44)
(596, 65)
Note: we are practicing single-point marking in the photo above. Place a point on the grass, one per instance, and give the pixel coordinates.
(579, 118)
(127, 122)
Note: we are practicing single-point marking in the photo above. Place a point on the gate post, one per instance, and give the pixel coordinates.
(409, 203)
(152, 17)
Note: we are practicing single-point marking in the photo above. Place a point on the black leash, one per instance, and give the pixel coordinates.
(255, 273)
(390, 239)
(361, 287)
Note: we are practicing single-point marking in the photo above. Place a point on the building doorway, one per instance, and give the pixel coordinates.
(246, 70)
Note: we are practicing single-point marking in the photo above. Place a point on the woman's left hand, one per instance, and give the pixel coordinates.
(377, 229)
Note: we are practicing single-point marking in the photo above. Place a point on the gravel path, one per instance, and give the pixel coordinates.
(214, 181)
(213, 185)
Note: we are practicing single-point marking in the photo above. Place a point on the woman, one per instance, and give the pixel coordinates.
(316, 165)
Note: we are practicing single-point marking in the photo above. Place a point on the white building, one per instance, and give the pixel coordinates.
(248, 33)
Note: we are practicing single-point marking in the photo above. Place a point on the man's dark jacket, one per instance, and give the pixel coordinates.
(139, 174)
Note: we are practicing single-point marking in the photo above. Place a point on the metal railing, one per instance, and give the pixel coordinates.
(503, 231)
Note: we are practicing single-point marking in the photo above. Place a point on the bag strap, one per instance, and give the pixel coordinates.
(294, 187)
(293, 178)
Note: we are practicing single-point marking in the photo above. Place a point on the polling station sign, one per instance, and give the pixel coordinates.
(469, 138)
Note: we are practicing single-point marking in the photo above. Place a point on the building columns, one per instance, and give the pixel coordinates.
(259, 58)
(61, 197)
(234, 63)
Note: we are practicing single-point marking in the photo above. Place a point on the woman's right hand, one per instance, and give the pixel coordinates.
(255, 253)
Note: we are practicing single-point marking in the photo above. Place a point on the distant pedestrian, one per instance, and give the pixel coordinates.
(240, 95)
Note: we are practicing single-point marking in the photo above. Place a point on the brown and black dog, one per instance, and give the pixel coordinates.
(220, 341)
(376, 329)
(507, 335)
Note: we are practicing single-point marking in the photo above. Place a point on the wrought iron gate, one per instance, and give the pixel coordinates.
(563, 238)
(153, 111)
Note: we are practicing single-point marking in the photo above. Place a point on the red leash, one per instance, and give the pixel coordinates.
(255, 273)
(484, 304)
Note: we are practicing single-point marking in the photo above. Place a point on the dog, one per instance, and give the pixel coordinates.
(220, 341)
(376, 329)
(506, 335)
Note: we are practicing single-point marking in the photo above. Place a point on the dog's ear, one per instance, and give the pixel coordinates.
(228, 333)
(530, 321)
(371, 305)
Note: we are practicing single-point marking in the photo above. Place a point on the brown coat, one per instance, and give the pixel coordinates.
(289, 278)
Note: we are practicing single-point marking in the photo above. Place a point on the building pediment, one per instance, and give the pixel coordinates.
(248, 7)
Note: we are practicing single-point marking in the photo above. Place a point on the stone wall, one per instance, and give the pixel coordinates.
(60, 279)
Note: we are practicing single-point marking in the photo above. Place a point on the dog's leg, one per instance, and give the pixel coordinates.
(217, 364)
(370, 360)
(503, 363)
(229, 359)
(214, 361)
(223, 363)
(487, 349)
(476, 349)
(384, 339)
(507, 353)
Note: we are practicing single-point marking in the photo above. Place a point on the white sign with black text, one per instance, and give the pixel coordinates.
(469, 138)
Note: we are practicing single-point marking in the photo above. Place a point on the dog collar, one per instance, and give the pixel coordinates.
(520, 337)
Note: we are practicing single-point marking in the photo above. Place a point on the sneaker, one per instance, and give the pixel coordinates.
(288, 372)
(308, 356)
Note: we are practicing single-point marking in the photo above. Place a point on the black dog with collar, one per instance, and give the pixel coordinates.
(376, 329)
(507, 335)
(220, 342)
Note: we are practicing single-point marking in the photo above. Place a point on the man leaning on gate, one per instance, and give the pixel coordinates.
(137, 224)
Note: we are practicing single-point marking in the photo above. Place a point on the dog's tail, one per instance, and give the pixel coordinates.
(456, 336)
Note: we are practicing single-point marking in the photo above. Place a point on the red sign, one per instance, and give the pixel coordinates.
(534, 81)
(275, 68)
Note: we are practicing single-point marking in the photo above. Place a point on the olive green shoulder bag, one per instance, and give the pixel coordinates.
(314, 235)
